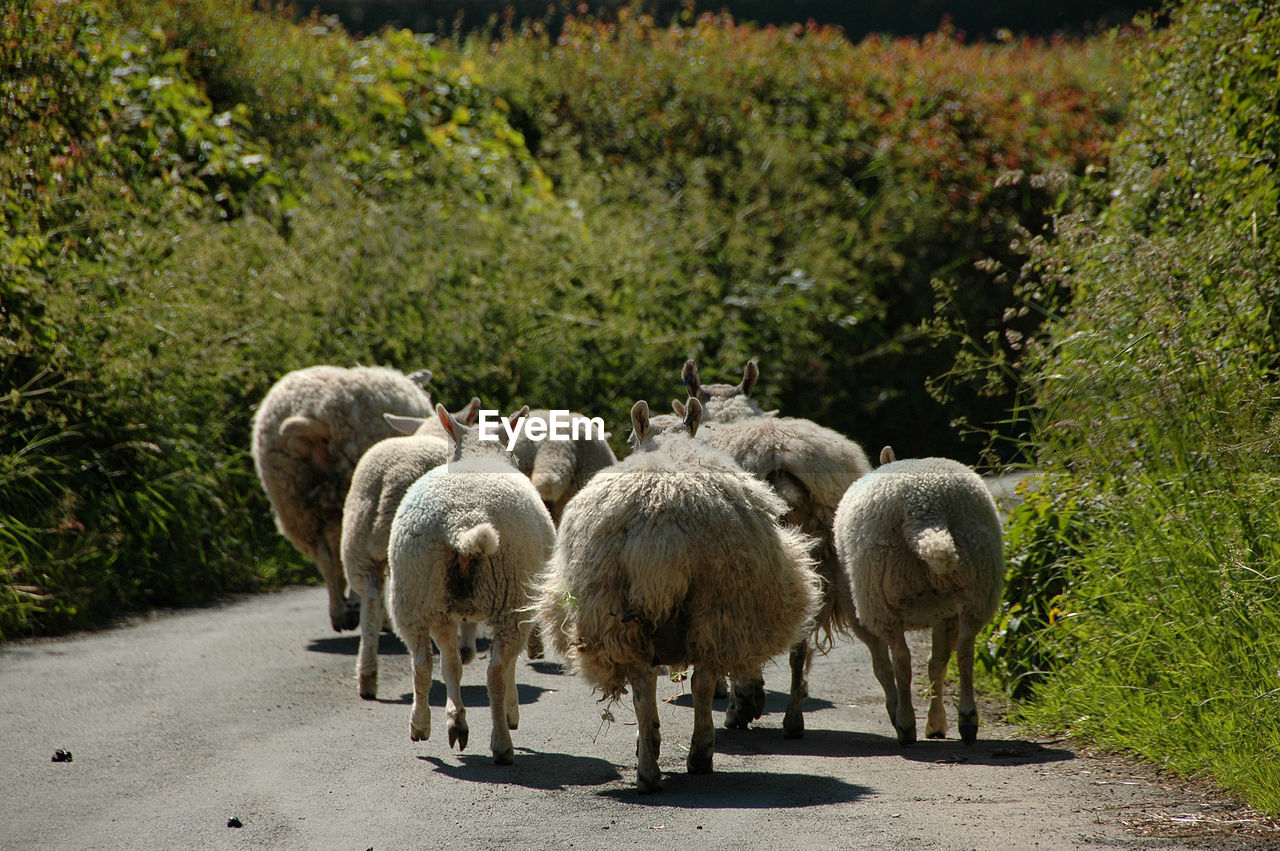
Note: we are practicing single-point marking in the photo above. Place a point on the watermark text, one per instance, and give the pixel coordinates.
(559, 425)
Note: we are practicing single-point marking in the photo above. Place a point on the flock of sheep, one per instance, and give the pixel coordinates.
(728, 536)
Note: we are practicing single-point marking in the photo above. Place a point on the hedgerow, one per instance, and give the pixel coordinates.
(1159, 418)
(199, 197)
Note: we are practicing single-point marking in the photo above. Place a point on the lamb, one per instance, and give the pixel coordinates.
(921, 541)
(674, 557)
(467, 543)
(810, 467)
(379, 482)
(308, 435)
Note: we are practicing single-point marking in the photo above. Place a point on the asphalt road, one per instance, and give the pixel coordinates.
(180, 722)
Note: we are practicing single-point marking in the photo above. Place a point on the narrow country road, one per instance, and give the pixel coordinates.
(179, 723)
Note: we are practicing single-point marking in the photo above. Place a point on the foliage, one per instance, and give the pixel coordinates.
(199, 197)
(812, 219)
(1157, 395)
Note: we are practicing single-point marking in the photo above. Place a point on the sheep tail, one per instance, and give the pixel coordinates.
(931, 540)
(481, 540)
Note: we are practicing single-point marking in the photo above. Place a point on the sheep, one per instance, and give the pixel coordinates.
(921, 541)
(560, 468)
(468, 540)
(674, 557)
(810, 467)
(308, 434)
(381, 478)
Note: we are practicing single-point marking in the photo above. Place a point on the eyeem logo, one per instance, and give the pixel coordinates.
(559, 426)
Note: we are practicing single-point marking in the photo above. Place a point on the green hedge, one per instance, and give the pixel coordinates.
(199, 197)
(1160, 421)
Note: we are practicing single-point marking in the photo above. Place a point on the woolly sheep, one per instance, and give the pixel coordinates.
(922, 543)
(467, 543)
(674, 557)
(810, 467)
(559, 469)
(308, 435)
(379, 482)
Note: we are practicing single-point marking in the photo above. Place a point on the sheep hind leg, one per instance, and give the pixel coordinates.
(513, 693)
(644, 696)
(372, 616)
(419, 644)
(344, 611)
(801, 658)
(467, 641)
(904, 720)
(944, 638)
(967, 710)
(746, 702)
(702, 747)
(445, 633)
(533, 644)
(502, 661)
(883, 668)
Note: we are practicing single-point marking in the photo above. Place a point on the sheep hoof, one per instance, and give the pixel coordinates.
(350, 617)
(419, 734)
(458, 735)
(648, 785)
(935, 734)
(506, 757)
(699, 763)
(733, 720)
(467, 654)
(968, 733)
(722, 688)
(793, 725)
(906, 735)
(533, 645)
(369, 686)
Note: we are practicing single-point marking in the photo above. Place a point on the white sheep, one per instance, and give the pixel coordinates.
(380, 481)
(922, 543)
(674, 557)
(308, 435)
(467, 543)
(810, 466)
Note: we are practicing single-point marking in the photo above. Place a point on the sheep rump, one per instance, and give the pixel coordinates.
(922, 542)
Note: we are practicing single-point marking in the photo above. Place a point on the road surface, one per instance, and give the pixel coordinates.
(180, 724)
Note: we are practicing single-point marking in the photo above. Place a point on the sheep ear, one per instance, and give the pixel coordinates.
(678, 408)
(519, 415)
(750, 376)
(639, 421)
(421, 378)
(451, 426)
(887, 456)
(693, 416)
(689, 379)
(304, 428)
(772, 413)
(467, 416)
(307, 436)
(402, 424)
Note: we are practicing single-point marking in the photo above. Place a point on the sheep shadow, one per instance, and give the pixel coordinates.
(472, 696)
(389, 644)
(774, 701)
(846, 744)
(743, 790)
(348, 644)
(555, 772)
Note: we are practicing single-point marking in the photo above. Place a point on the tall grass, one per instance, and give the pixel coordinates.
(1157, 532)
